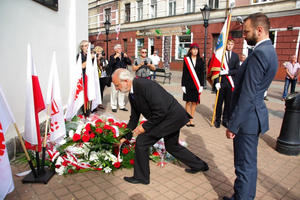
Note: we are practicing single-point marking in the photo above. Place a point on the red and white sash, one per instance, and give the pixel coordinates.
(194, 76)
(225, 66)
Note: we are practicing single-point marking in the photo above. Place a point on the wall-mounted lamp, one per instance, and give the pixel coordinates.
(240, 20)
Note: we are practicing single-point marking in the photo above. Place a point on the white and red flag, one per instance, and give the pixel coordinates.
(6, 118)
(34, 104)
(89, 76)
(98, 34)
(216, 60)
(118, 29)
(76, 94)
(97, 100)
(57, 125)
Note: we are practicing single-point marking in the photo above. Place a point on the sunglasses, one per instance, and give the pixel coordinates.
(144, 52)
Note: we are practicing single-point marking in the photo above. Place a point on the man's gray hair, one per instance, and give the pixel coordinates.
(123, 74)
(116, 46)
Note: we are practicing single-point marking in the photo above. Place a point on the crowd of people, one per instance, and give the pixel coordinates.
(241, 87)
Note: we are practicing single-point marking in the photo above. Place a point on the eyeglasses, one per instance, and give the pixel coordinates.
(143, 51)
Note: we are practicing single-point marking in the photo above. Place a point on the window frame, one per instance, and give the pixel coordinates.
(177, 45)
(212, 4)
(137, 50)
(107, 16)
(126, 13)
(191, 8)
(139, 11)
(173, 9)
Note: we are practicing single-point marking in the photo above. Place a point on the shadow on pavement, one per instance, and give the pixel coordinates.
(214, 175)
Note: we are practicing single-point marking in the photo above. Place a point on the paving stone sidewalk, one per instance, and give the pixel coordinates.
(278, 174)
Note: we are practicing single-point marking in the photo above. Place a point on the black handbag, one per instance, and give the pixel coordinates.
(108, 81)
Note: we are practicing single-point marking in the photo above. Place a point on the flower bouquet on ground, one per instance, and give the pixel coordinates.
(92, 146)
(159, 154)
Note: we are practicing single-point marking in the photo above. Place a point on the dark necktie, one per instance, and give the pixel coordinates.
(228, 55)
(132, 96)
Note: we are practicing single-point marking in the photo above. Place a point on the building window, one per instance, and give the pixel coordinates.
(261, 1)
(139, 46)
(127, 12)
(183, 45)
(153, 9)
(140, 10)
(108, 14)
(214, 4)
(172, 7)
(190, 6)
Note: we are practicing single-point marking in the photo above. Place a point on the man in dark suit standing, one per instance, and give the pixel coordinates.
(165, 117)
(227, 74)
(249, 113)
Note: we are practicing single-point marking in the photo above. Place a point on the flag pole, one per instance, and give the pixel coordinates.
(42, 170)
(220, 78)
(26, 153)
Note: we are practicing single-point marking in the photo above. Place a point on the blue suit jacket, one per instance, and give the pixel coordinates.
(249, 111)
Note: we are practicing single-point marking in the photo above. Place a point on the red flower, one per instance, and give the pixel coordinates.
(131, 161)
(86, 133)
(115, 136)
(99, 130)
(117, 124)
(107, 127)
(88, 127)
(155, 154)
(64, 164)
(85, 138)
(92, 135)
(70, 171)
(57, 166)
(113, 130)
(98, 121)
(80, 116)
(116, 151)
(76, 137)
(78, 168)
(127, 142)
(111, 120)
(142, 122)
(117, 165)
(125, 151)
(124, 125)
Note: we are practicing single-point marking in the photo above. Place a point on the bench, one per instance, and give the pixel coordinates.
(161, 72)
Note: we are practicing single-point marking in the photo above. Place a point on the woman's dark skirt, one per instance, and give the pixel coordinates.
(191, 95)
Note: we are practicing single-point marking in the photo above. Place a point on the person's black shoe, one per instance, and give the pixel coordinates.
(217, 124)
(136, 181)
(114, 110)
(194, 171)
(266, 99)
(225, 124)
(226, 198)
(124, 109)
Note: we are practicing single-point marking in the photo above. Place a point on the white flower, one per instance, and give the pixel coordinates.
(71, 134)
(60, 171)
(59, 161)
(79, 128)
(107, 169)
(93, 156)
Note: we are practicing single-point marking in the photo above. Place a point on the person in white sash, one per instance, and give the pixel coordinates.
(192, 80)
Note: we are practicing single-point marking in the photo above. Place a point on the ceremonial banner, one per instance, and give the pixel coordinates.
(90, 77)
(76, 94)
(34, 104)
(97, 100)
(118, 29)
(98, 34)
(57, 125)
(6, 118)
(216, 60)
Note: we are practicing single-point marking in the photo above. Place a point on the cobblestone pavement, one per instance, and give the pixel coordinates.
(278, 174)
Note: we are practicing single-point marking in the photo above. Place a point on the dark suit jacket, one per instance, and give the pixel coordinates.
(187, 80)
(249, 112)
(163, 113)
(233, 66)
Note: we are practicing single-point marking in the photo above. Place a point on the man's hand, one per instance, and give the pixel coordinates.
(218, 86)
(125, 55)
(122, 140)
(229, 134)
(183, 89)
(223, 72)
(200, 89)
(138, 130)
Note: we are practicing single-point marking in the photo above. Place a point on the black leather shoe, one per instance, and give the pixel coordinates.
(114, 110)
(217, 124)
(194, 171)
(226, 198)
(124, 109)
(136, 181)
(225, 124)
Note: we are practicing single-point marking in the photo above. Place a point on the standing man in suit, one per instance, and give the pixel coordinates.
(249, 112)
(118, 60)
(165, 117)
(228, 74)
